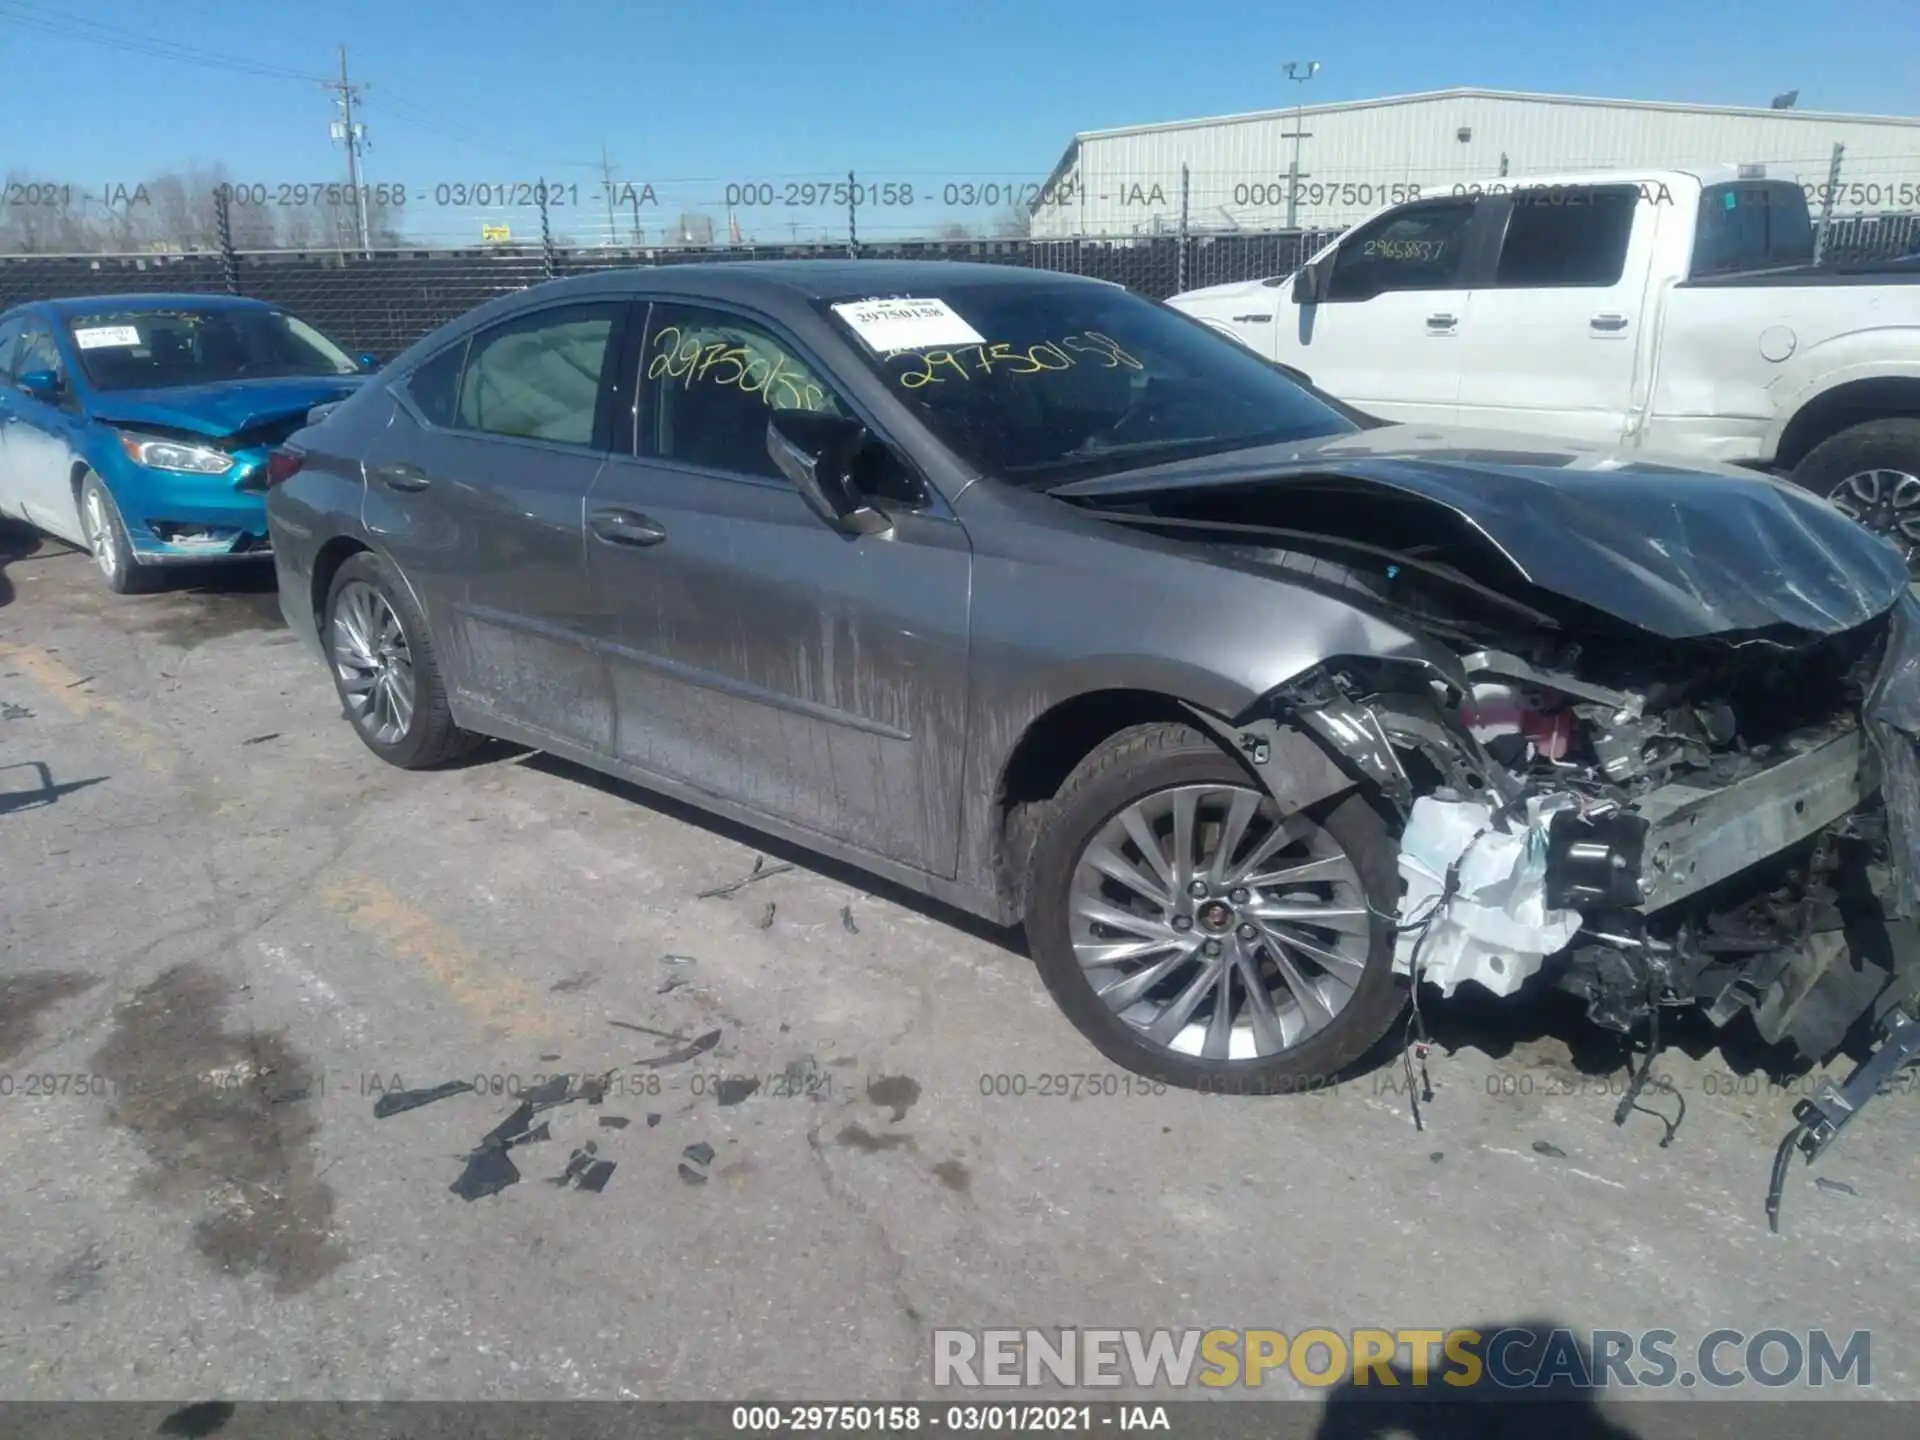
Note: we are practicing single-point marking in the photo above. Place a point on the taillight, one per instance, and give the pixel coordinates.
(283, 464)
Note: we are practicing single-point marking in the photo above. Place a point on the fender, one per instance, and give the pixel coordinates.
(1804, 385)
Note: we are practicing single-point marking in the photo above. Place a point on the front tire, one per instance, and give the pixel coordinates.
(1196, 935)
(381, 655)
(1871, 472)
(107, 538)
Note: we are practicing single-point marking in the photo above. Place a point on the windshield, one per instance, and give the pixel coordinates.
(153, 349)
(1039, 383)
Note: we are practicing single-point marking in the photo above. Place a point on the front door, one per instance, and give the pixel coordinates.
(756, 653)
(44, 438)
(1386, 337)
(476, 490)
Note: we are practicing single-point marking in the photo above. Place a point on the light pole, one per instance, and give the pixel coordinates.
(1301, 73)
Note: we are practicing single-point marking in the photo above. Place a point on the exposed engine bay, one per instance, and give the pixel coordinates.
(1600, 783)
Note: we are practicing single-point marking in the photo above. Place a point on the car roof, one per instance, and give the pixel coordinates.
(89, 304)
(812, 279)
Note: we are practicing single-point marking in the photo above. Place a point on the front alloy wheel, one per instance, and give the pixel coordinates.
(1216, 928)
(1197, 933)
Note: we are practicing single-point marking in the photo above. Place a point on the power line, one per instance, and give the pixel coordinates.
(114, 37)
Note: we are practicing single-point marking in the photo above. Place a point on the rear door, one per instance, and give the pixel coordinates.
(1387, 336)
(476, 489)
(756, 653)
(9, 490)
(1552, 338)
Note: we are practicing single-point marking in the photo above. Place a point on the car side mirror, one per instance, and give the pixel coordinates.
(1310, 284)
(368, 361)
(817, 453)
(42, 385)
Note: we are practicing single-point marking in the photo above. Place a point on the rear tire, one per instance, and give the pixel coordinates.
(1356, 994)
(1872, 473)
(384, 670)
(107, 539)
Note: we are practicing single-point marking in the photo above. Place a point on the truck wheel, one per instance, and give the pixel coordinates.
(1872, 472)
(1198, 936)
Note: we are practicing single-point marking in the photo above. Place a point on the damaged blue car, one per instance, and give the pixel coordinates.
(138, 426)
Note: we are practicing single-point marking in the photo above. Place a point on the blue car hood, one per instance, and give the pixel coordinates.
(229, 408)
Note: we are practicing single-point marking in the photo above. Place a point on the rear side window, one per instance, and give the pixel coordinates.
(1567, 235)
(538, 377)
(1759, 225)
(434, 387)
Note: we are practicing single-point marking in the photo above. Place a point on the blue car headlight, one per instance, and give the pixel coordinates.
(159, 454)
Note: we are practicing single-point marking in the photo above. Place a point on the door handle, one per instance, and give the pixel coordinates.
(1608, 322)
(402, 476)
(1441, 322)
(626, 527)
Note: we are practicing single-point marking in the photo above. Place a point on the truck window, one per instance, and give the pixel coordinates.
(1567, 235)
(1756, 225)
(1419, 248)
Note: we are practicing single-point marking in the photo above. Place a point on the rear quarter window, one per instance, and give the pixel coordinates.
(1751, 225)
(434, 385)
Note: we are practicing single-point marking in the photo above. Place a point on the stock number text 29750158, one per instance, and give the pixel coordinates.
(964, 362)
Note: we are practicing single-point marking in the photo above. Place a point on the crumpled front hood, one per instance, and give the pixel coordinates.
(1675, 549)
(223, 409)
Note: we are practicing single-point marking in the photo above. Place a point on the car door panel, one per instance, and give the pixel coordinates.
(1386, 338)
(766, 658)
(488, 529)
(1554, 340)
(44, 441)
(9, 417)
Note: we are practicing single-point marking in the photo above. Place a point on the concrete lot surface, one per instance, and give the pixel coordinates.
(229, 929)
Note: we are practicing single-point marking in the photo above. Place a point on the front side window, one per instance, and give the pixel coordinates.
(9, 337)
(711, 380)
(1043, 382)
(38, 352)
(155, 349)
(538, 377)
(1420, 248)
(1567, 236)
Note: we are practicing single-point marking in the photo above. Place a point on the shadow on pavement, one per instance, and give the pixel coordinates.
(1530, 1378)
(17, 542)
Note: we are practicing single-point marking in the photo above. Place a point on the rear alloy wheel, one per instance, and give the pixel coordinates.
(1196, 934)
(383, 667)
(107, 539)
(1872, 474)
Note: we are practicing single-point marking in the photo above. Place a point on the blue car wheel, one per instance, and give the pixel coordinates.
(107, 538)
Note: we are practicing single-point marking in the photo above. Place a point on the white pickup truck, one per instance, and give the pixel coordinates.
(1672, 312)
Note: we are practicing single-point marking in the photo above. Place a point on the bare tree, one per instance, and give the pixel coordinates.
(45, 218)
(1013, 222)
(953, 230)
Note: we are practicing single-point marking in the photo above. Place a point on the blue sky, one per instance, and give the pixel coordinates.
(691, 95)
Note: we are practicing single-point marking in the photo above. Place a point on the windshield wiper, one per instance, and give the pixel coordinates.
(1083, 454)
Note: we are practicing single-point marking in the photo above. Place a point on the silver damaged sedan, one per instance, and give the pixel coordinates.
(1040, 598)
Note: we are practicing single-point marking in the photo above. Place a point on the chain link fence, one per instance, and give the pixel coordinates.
(381, 300)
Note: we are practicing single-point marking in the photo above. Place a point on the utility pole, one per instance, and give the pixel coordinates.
(606, 184)
(1301, 73)
(354, 137)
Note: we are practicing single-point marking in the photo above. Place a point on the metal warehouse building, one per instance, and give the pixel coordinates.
(1356, 156)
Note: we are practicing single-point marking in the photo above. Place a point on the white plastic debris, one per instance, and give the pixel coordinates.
(1496, 928)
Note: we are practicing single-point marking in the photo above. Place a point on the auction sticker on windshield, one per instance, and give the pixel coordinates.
(101, 337)
(890, 325)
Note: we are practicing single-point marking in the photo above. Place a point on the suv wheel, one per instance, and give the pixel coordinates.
(1197, 935)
